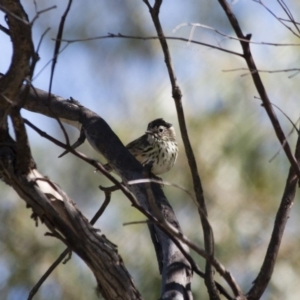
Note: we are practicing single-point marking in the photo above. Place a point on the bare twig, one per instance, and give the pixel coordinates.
(36, 287)
(58, 42)
(289, 21)
(79, 142)
(289, 14)
(289, 119)
(289, 134)
(50, 61)
(279, 19)
(249, 72)
(119, 35)
(38, 13)
(54, 61)
(194, 25)
(165, 183)
(4, 29)
(41, 39)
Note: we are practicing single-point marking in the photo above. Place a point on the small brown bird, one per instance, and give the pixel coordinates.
(156, 149)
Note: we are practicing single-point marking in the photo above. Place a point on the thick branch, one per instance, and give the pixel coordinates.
(102, 138)
(49, 202)
(62, 217)
(20, 33)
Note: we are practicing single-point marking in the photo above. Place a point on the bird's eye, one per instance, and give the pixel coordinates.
(160, 129)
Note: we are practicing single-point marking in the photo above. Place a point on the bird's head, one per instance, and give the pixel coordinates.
(161, 129)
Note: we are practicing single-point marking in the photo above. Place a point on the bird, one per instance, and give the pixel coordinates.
(157, 149)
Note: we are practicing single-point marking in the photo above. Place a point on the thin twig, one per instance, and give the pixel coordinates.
(288, 13)
(54, 61)
(273, 14)
(289, 134)
(41, 39)
(288, 20)
(38, 13)
(144, 180)
(289, 119)
(49, 62)
(36, 287)
(296, 70)
(4, 29)
(135, 223)
(119, 35)
(194, 25)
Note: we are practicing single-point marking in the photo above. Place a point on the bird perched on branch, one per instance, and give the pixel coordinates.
(157, 149)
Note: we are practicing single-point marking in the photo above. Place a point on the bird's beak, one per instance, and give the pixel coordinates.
(149, 132)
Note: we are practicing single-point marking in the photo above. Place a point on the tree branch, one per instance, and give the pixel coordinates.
(146, 38)
(259, 85)
(102, 139)
(60, 215)
(23, 51)
(48, 201)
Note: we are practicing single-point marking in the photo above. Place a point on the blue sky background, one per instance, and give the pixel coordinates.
(126, 82)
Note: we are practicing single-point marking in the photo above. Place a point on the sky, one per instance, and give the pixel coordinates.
(126, 83)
